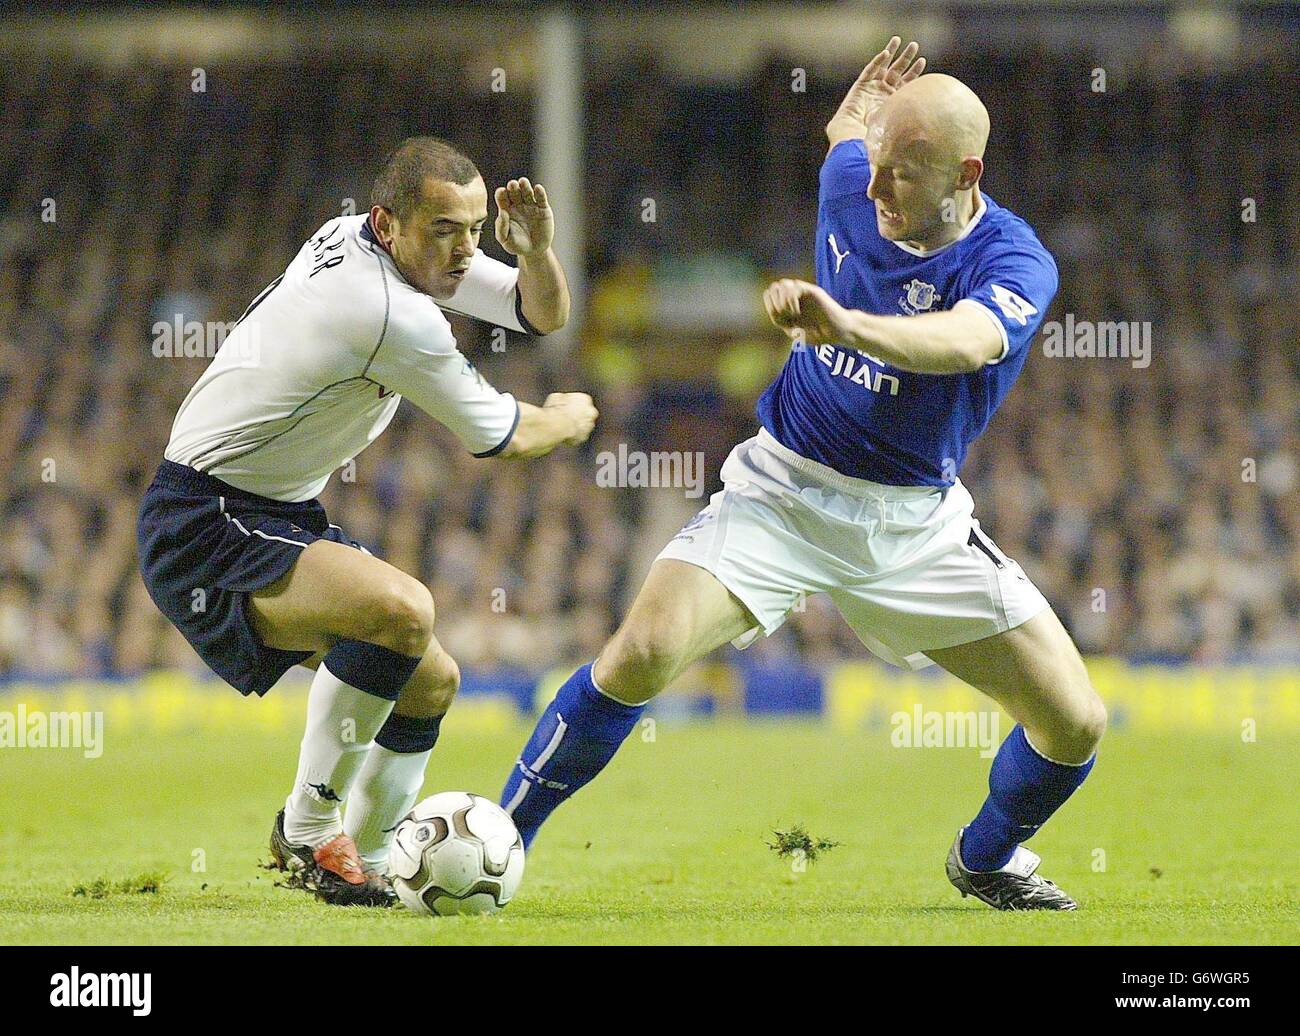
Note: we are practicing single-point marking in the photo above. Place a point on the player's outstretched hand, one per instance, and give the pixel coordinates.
(804, 312)
(525, 224)
(884, 74)
(578, 407)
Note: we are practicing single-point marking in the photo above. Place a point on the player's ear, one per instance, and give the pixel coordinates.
(385, 224)
(971, 170)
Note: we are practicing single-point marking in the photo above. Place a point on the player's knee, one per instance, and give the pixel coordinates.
(401, 617)
(1083, 721)
(1094, 724)
(431, 691)
(445, 684)
(639, 662)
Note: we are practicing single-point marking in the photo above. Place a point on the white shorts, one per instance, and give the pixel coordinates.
(907, 566)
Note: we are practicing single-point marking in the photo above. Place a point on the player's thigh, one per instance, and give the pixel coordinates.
(335, 592)
(1034, 672)
(681, 613)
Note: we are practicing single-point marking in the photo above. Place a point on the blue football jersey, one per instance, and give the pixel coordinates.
(874, 421)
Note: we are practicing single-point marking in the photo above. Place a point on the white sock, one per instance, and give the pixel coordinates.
(341, 723)
(385, 791)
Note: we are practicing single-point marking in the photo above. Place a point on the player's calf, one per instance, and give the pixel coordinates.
(580, 731)
(577, 735)
(681, 614)
(1034, 671)
(349, 704)
(393, 774)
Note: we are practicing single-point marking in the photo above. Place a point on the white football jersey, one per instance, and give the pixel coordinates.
(315, 368)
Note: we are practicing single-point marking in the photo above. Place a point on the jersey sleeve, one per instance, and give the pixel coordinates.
(490, 292)
(846, 170)
(418, 359)
(1014, 286)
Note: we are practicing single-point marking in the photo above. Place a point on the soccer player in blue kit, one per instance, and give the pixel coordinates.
(928, 296)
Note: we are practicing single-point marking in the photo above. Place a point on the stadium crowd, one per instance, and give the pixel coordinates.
(1157, 506)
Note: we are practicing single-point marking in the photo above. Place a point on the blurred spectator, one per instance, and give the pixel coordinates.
(1157, 507)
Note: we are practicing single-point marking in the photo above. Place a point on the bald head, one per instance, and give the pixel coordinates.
(941, 112)
(926, 144)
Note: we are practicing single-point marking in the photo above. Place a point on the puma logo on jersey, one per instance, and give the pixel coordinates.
(839, 257)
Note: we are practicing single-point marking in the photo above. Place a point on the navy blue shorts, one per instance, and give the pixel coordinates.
(204, 546)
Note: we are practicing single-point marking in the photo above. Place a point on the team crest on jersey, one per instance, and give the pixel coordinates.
(920, 297)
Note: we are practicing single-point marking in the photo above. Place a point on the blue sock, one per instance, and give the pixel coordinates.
(579, 732)
(1024, 790)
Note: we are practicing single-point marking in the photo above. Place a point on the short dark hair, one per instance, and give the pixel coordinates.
(400, 181)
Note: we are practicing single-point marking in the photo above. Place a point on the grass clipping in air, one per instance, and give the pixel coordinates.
(149, 883)
(798, 843)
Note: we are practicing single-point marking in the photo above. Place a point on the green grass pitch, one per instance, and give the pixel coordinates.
(1175, 839)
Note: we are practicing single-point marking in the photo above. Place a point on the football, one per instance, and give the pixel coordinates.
(456, 853)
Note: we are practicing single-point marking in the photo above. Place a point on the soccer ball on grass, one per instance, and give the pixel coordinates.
(456, 853)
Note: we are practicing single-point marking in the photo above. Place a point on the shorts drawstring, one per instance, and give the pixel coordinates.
(883, 505)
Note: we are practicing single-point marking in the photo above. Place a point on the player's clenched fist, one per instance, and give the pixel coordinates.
(579, 408)
(565, 419)
(804, 312)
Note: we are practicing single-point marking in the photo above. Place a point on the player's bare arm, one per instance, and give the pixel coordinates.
(525, 227)
(956, 341)
(884, 74)
(565, 419)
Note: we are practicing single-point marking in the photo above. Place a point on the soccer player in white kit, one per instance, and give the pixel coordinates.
(928, 295)
(237, 552)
